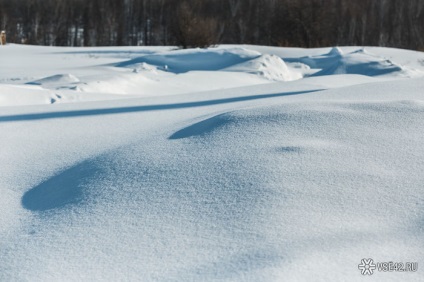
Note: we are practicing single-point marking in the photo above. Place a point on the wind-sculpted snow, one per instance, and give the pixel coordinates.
(115, 74)
(356, 62)
(192, 60)
(235, 60)
(202, 127)
(235, 176)
(56, 79)
(205, 215)
(268, 66)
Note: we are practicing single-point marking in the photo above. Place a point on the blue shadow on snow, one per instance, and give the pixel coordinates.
(158, 107)
(60, 190)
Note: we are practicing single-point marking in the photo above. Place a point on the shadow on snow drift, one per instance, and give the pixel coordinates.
(60, 190)
(93, 112)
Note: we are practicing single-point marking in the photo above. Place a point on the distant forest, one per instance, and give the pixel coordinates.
(200, 23)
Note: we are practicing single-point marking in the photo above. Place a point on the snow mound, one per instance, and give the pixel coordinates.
(357, 62)
(335, 52)
(362, 63)
(56, 79)
(270, 67)
(190, 60)
(144, 67)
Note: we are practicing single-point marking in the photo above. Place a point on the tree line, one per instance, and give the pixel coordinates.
(200, 23)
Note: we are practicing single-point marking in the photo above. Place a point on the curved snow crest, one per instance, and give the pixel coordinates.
(241, 121)
(58, 82)
(56, 79)
(203, 127)
(268, 66)
(182, 61)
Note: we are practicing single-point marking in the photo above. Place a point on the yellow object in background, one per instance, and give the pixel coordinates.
(3, 37)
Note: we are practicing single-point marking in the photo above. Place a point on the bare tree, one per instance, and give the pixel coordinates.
(305, 23)
(193, 30)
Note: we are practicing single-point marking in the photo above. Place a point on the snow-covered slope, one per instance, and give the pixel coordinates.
(237, 163)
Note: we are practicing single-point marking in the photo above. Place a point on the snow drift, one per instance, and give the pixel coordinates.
(240, 164)
(56, 79)
(190, 60)
(268, 66)
(357, 62)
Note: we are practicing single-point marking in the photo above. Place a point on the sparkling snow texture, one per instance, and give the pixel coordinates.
(239, 163)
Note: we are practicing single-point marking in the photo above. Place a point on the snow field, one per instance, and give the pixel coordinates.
(239, 163)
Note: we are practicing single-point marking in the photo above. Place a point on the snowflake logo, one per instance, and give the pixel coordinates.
(367, 266)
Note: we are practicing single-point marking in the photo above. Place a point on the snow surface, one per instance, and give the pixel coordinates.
(236, 163)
